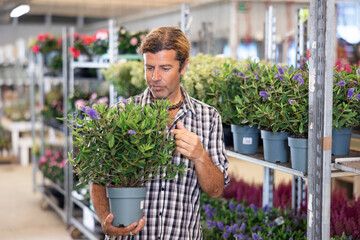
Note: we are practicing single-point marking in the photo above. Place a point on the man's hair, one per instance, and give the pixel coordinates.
(167, 38)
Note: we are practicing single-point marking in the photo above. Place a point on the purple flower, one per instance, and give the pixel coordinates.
(241, 74)
(211, 223)
(239, 207)
(255, 236)
(125, 101)
(239, 236)
(341, 83)
(225, 235)
(279, 76)
(358, 72)
(350, 93)
(292, 102)
(242, 227)
(264, 94)
(91, 112)
(299, 78)
(256, 75)
(208, 211)
(281, 70)
(234, 71)
(217, 71)
(220, 225)
(132, 132)
(231, 206)
(357, 96)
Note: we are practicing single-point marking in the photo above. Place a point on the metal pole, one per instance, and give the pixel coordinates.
(233, 37)
(67, 171)
(268, 187)
(185, 19)
(270, 35)
(113, 54)
(32, 117)
(40, 58)
(320, 117)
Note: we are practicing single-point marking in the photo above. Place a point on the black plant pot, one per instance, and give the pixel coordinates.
(228, 136)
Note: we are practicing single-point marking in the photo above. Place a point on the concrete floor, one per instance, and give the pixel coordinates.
(21, 215)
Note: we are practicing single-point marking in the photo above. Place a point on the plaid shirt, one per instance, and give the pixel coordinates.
(172, 207)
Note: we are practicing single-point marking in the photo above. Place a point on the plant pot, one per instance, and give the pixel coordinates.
(246, 139)
(276, 147)
(126, 204)
(341, 141)
(299, 153)
(228, 137)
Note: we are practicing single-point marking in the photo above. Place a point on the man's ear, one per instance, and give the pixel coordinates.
(186, 63)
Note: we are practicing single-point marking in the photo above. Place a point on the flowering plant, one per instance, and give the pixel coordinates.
(238, 90)
(81, 45)
(53, 107)
(45, 43)
(227, 219)
(129, 42)
(346, 97)
(127, 77)
(283, 106)
(126, 145)
(100, 44)
(52, 165)
(82, 99)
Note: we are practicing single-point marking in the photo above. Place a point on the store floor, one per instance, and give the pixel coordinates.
(21, 215)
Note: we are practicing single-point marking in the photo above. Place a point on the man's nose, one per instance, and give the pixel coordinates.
(156, 75)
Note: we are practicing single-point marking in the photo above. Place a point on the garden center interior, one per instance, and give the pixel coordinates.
(270, 66)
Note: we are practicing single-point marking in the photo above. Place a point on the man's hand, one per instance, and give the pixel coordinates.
(188, 143)
(132, 229)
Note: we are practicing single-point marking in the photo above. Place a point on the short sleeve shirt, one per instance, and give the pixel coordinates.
(172, 207)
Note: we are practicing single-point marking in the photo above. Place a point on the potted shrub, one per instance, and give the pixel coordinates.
(237, 89)
(274, 87)
(296, 115)
(346, 107)
(200, 82)
(123, 147)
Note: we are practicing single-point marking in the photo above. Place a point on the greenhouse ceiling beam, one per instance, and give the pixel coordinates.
(322, 17)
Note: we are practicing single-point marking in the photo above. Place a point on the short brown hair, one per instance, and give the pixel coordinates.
(167, 38)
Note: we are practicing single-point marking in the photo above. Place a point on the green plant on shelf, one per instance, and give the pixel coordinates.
(127, 77)
(126, 145)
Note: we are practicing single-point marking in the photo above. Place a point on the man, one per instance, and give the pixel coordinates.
(172, 207)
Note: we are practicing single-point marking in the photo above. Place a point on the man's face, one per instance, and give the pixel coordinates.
(162, 74)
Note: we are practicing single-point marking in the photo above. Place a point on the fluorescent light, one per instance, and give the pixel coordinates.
(20, 10)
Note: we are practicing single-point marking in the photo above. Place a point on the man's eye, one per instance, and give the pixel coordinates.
(166, 69)
(149, 68)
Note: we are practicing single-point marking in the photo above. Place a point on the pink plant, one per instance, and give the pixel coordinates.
(79, 103)
(48, 153)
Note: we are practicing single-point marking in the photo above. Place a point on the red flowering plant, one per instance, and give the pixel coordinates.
(100, 42)
(82, 45)
(45, 43)
(52, 165)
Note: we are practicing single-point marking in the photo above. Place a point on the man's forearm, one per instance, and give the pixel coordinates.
(99, 201)
(210, 177)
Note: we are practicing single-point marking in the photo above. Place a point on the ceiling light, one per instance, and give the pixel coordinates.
(20, 10)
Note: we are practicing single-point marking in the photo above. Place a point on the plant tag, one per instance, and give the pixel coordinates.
(88, 219)
(142, 204)
(247, 141)
(279, 220)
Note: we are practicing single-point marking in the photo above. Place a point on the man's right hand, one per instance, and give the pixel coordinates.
(132, 229)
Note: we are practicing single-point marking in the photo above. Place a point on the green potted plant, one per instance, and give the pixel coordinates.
(238, 90)
(127, 77)
(200, 82)
(275, 85)
(123, 147)
(346, 107)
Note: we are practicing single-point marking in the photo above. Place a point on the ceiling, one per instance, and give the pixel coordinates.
(90, 10)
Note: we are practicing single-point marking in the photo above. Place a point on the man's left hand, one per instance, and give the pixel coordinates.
(188, 143)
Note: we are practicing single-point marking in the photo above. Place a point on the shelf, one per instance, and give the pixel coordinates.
(348, 164)
(56, 208)
(89, 65)
(338, 169)
(83, 205)
(284, 167)
(89, 234)
(56, 186)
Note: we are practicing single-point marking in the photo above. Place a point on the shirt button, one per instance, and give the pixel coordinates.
(162, 189)
(160, 213)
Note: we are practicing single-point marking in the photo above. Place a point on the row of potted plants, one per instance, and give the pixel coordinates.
(239, 215)
(274, 99)
(86, 47)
